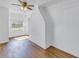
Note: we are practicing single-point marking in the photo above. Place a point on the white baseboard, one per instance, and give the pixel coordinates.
(2, 42)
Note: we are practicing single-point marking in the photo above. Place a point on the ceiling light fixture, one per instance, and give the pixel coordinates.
(24, 5)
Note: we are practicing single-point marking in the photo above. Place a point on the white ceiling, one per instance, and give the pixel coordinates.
(30, 1)
(17, 9)
(8, 3)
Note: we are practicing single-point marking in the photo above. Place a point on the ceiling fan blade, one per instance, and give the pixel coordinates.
(20, 1)
(31, 5)
(16, 4)
(29, 8)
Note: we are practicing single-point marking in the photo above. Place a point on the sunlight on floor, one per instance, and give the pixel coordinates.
(22, 37)
(16, 47)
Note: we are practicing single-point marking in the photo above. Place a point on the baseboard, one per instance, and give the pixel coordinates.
(16, 36)
(38, 44)
(61, 53)
(4, 42)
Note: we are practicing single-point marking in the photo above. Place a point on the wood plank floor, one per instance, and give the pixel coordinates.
(59, 53)
(27, 49)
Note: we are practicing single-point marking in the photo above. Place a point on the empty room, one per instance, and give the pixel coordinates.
(39, 28)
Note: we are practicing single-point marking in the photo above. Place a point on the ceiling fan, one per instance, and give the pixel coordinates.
(24, 5)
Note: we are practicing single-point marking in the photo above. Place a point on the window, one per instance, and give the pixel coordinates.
(17, 25)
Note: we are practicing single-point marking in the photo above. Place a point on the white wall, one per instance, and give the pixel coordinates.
(37, 28)
(14, 17)
(66, 21)
(3, 3)
(48, 26)
(4, 17)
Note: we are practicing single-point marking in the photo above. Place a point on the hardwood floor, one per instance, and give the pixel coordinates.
(27, 49)
(59, 53)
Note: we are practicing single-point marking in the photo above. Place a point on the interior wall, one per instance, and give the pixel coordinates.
(49, 26)
(66, 21)
(4, 17)
(37, 28)
(3, 3)
(14, 17)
